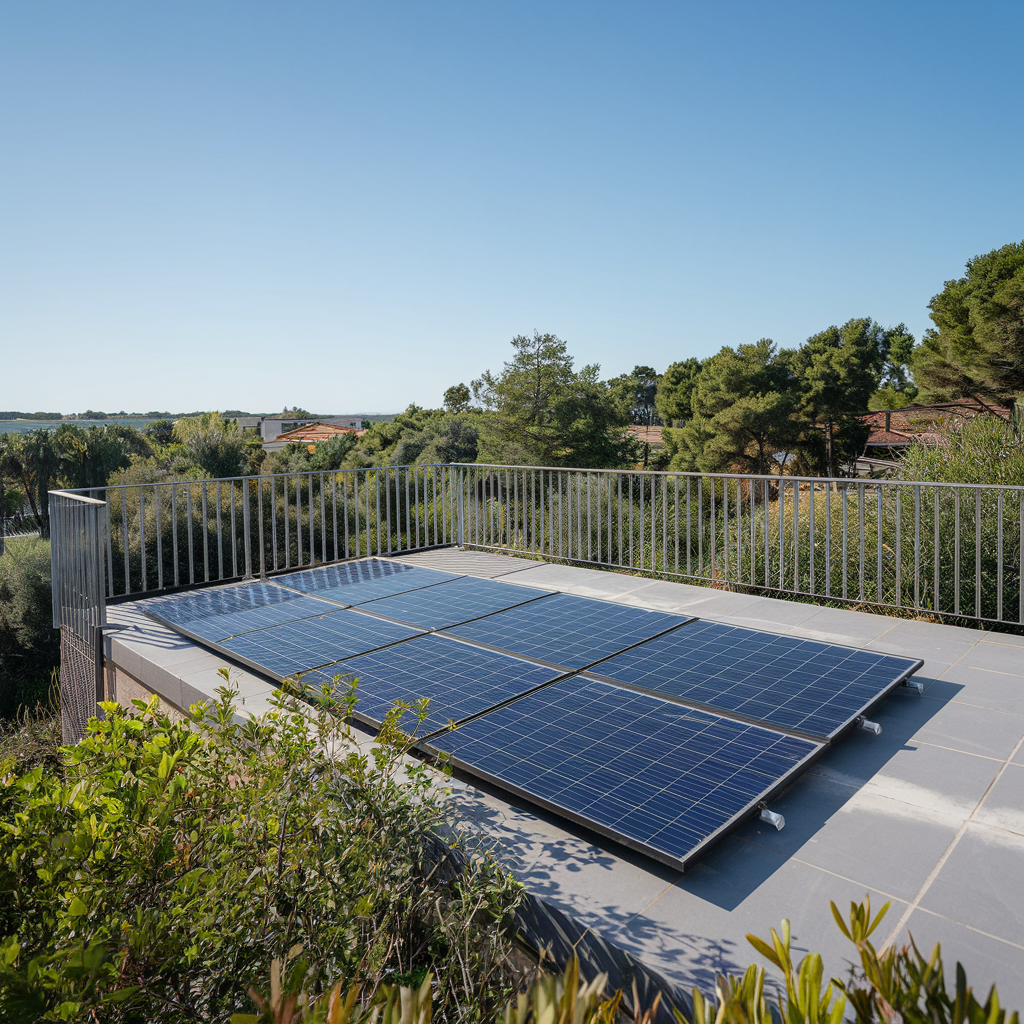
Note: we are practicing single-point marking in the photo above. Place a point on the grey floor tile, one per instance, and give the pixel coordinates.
(853, 832)
(766, 612)
(1004, 805)
(838, 625)
(983, 688)
(1006, 639)
(980, 883)
(995, 658)
(1018, 758)
(974, 730)
(706, 602)
(699, 926)
(986, 960)
(946, 784)
(574, 580)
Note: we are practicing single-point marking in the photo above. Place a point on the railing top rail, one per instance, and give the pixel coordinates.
(78, 495)
(771, 477)
(844, 481)
(291, 474)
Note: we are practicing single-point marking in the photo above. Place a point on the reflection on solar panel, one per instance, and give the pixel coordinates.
(567, 631)
(218, 614)
(311, 643)
(660, 778)
(358, 582)
(450, 603)
(459, 680)
(785, 681)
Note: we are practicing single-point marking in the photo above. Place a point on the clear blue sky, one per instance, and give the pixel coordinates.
(352, 206)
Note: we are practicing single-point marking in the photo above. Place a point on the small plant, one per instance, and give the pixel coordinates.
(898, 986)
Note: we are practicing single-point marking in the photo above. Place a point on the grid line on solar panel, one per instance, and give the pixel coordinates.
(788, 682)
(352, 583)
(567, 631)
(451, 603)
(458, 679)
(656, 776)
(311, 643)
(224, 612)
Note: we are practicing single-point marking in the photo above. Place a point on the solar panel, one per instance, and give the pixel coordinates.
(450, 603)
(306, 644)
(460, 680)
(785, 681)
(567, 631)
(217, 614)
(660, 778)
(357, 582)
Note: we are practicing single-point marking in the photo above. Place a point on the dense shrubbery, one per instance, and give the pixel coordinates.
(29, 645)
(158, 873)
(274, 872)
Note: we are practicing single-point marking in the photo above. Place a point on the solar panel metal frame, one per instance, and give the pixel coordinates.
(535, 595)
(783, 783)
(866, 709)
(569, 669)
(375, 723)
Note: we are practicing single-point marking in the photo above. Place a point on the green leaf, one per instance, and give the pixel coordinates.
(77, 908)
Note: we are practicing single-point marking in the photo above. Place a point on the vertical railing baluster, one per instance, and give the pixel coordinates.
(142, 537)
(174, 530)
(298, 518)
(234, 531)
(157, 498)
(999, 555)
(247, 545)
(860, 536)
(977, 553)
(917, 545)
(956, 551)
(261, 537)
(125, 540)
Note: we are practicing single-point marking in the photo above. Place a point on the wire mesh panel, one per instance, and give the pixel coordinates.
(77, 685)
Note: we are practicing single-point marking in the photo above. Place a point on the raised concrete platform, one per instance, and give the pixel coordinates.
(929, 815)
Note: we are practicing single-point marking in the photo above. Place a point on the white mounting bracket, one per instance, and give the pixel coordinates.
(772, 818)
(872, 727)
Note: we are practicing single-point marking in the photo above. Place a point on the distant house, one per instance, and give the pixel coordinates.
(310, 433)
(893, 431)
(271, 427)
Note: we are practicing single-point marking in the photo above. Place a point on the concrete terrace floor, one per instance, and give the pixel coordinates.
(929, 815)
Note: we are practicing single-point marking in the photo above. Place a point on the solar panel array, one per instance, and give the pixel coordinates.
(658, 730)
(567, 631)
(786, 681)
(656, 776)
(458, 679)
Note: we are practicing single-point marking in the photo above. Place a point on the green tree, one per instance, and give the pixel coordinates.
(457, 398)
(675, 391)
(214, 444)
(635, 394)
(839, 369)
(746, 398)
(546, 413)
(976, 348)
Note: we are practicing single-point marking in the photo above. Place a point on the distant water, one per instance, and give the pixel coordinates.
(20, 426)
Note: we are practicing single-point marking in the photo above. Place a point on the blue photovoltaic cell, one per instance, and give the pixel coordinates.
(450, 603)
(358, 582)
(652, 774)
(310, 643)
(782, 680)
(459, 680)
(566, 630)
(217, 614)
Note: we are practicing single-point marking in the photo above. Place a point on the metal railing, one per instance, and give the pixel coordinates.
(950, 549)
(955, 550)
(169, 534)
(77, 532)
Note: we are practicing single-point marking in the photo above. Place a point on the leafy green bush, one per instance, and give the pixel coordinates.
(983, 450)
(157, 873)
(29, 645)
